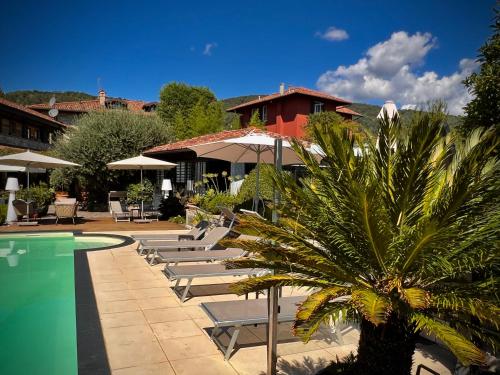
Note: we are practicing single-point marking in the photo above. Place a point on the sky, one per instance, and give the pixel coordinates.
(365, 51)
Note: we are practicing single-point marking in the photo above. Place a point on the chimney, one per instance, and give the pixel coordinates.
(102, 97)
(282, 88)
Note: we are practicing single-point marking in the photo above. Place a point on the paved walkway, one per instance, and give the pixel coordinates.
(148, 331)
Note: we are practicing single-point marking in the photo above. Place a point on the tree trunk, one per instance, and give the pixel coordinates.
(386, 349)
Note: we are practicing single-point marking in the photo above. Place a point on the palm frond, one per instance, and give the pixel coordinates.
(374, 307)
(466, 352)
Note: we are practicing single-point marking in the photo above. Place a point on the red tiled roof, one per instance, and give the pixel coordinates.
(207, 138)
(22, 108)
(88, 105)
(290, 91)
(347, 111)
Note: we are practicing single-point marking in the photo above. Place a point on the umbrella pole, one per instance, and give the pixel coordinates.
(272, 295)
(28, 193)
(142, 197)
(257, 182)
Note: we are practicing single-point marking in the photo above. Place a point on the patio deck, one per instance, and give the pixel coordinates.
(147, 330)
(93, 222)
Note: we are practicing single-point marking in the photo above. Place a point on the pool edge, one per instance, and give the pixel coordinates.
(91, 350)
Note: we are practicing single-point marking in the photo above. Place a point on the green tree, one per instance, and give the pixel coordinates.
(256, 121)
(102, 137)
(401, 240)
(190, 110)
(484, 109)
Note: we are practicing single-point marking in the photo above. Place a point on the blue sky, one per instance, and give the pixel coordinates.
(136, 47)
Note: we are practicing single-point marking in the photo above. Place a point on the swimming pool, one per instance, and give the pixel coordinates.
(37, 301)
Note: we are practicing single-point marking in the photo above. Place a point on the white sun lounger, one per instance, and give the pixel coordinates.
(206, 243)
(194, 234)
(239, 313)
(176, 257)
(191, 272)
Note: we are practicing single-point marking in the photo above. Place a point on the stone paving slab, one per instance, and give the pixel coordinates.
(148, 331)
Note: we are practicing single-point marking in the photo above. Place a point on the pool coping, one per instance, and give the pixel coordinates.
(91, 351)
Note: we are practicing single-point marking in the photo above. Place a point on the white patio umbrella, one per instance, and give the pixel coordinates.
(252, 148)
(31, 160)
(141, 162)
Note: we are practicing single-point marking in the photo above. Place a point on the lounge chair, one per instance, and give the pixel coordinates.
(117, 211)
(207, 243)
(23, 208)
(177, 257)
(239, 313)
(66, 210)
(251, 213)
(191, 272)
(194, 234)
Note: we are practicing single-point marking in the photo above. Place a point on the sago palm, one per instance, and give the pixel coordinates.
(407, 233)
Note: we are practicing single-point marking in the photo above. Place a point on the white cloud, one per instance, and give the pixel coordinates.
(387, 71)
(209, 48)
(333, 34)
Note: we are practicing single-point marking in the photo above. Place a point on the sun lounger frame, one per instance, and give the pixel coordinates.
(189, 273)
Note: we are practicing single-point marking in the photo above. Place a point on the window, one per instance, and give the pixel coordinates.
(263, 115)
(318, 107)
(184, 171)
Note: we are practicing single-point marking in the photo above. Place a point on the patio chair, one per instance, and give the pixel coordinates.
(194, 233)
(191, 272)
(151, 213)
(66, 211)
(177, 257)
(21, 209)
(117, 211)
(207, 243)
(239, 313)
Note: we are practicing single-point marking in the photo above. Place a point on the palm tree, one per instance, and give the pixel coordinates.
(407, 234)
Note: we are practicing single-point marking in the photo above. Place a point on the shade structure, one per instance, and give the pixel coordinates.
(252, 148)
(31, 160)
(141, 163)
(11, 168)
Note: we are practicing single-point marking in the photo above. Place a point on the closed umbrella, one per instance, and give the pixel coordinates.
(31, 160)
(141, 162)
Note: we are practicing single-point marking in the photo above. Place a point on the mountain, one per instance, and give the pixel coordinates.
(370, 112)
(27, 97)
(237, 100)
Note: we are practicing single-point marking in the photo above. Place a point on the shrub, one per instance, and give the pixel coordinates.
(177, 219)
(247, 190)
(41, 194)
(172, 206)
(140, 192)
(3, 213)
(212, 201)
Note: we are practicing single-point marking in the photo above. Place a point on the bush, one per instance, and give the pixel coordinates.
(247, 190)
(212, 200)
(172, 206)
(140, 192)
(41, 194)
(3, 213)
(178, 219)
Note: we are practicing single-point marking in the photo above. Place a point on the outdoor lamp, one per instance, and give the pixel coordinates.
(11, 186)
(166, 186)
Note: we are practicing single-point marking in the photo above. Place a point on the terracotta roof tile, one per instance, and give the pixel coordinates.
(207, 138)
(291, 91)
(88, 105)
(347, 111)
(30, 111)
